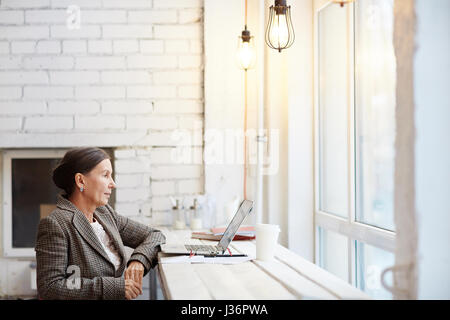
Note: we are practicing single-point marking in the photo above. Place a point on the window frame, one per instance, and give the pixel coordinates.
(354, 230)
(7, 156)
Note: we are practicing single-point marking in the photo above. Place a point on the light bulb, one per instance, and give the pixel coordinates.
(279, 34)
(245, 55)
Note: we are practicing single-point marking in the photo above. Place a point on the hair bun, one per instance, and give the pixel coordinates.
(61, 176)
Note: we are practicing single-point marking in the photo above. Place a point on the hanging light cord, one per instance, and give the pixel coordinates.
(245, 137)
(245, 14)
(245, 118)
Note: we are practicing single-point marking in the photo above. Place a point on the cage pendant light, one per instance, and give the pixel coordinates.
(280, 32)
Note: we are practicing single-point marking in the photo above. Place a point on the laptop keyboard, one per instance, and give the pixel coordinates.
(201, 248)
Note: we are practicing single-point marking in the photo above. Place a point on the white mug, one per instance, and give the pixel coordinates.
(266, 241)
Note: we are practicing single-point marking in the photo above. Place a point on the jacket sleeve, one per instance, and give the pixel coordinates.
(57, 280)
(143, 239)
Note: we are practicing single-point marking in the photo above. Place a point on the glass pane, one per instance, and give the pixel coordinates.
(333, 110)
(33, 197)
(333, 253)
(374, 112)
(371, 262)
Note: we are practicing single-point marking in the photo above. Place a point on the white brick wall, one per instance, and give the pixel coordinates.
(129, 77)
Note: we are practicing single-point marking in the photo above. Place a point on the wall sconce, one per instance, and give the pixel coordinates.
(280, 33)
(342, 2)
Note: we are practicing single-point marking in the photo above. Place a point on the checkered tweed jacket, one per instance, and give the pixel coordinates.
(66, 244)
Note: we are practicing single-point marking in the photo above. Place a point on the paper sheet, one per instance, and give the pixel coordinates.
(226, 260)
(202, 259)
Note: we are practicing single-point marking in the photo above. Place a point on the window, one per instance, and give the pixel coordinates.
(28, 195)
(354, 141)
(33, 197)
(333, 244)
(374, 112)
(371, 261)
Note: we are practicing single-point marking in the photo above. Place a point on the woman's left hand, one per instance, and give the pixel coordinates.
(135, 271)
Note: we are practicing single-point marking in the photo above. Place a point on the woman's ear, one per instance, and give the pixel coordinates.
(79, 180)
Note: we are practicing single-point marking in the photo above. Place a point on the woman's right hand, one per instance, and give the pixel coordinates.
(132, 289)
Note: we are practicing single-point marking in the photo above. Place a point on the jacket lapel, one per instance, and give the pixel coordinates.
(113, 233)
(82, 225)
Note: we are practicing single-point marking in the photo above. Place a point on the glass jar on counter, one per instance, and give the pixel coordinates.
(195, 217)
(179, 220)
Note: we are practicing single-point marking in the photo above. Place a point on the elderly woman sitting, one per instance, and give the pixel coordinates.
(80, 246)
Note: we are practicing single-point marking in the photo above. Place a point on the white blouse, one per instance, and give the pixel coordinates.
(107, 243)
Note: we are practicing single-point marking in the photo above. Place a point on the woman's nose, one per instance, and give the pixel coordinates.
(112, 184)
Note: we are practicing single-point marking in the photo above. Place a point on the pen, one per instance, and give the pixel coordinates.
(227, 255)
(217, 255)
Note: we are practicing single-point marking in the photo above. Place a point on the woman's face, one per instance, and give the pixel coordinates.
(99, 183)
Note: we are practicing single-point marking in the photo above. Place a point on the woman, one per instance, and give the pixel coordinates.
(80, 245)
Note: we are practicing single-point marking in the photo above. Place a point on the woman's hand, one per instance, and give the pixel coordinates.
(135, 272)
(132, 289)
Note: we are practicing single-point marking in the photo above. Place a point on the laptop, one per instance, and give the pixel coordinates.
(244, 209)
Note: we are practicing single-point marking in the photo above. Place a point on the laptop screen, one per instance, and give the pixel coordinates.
(244, 209)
